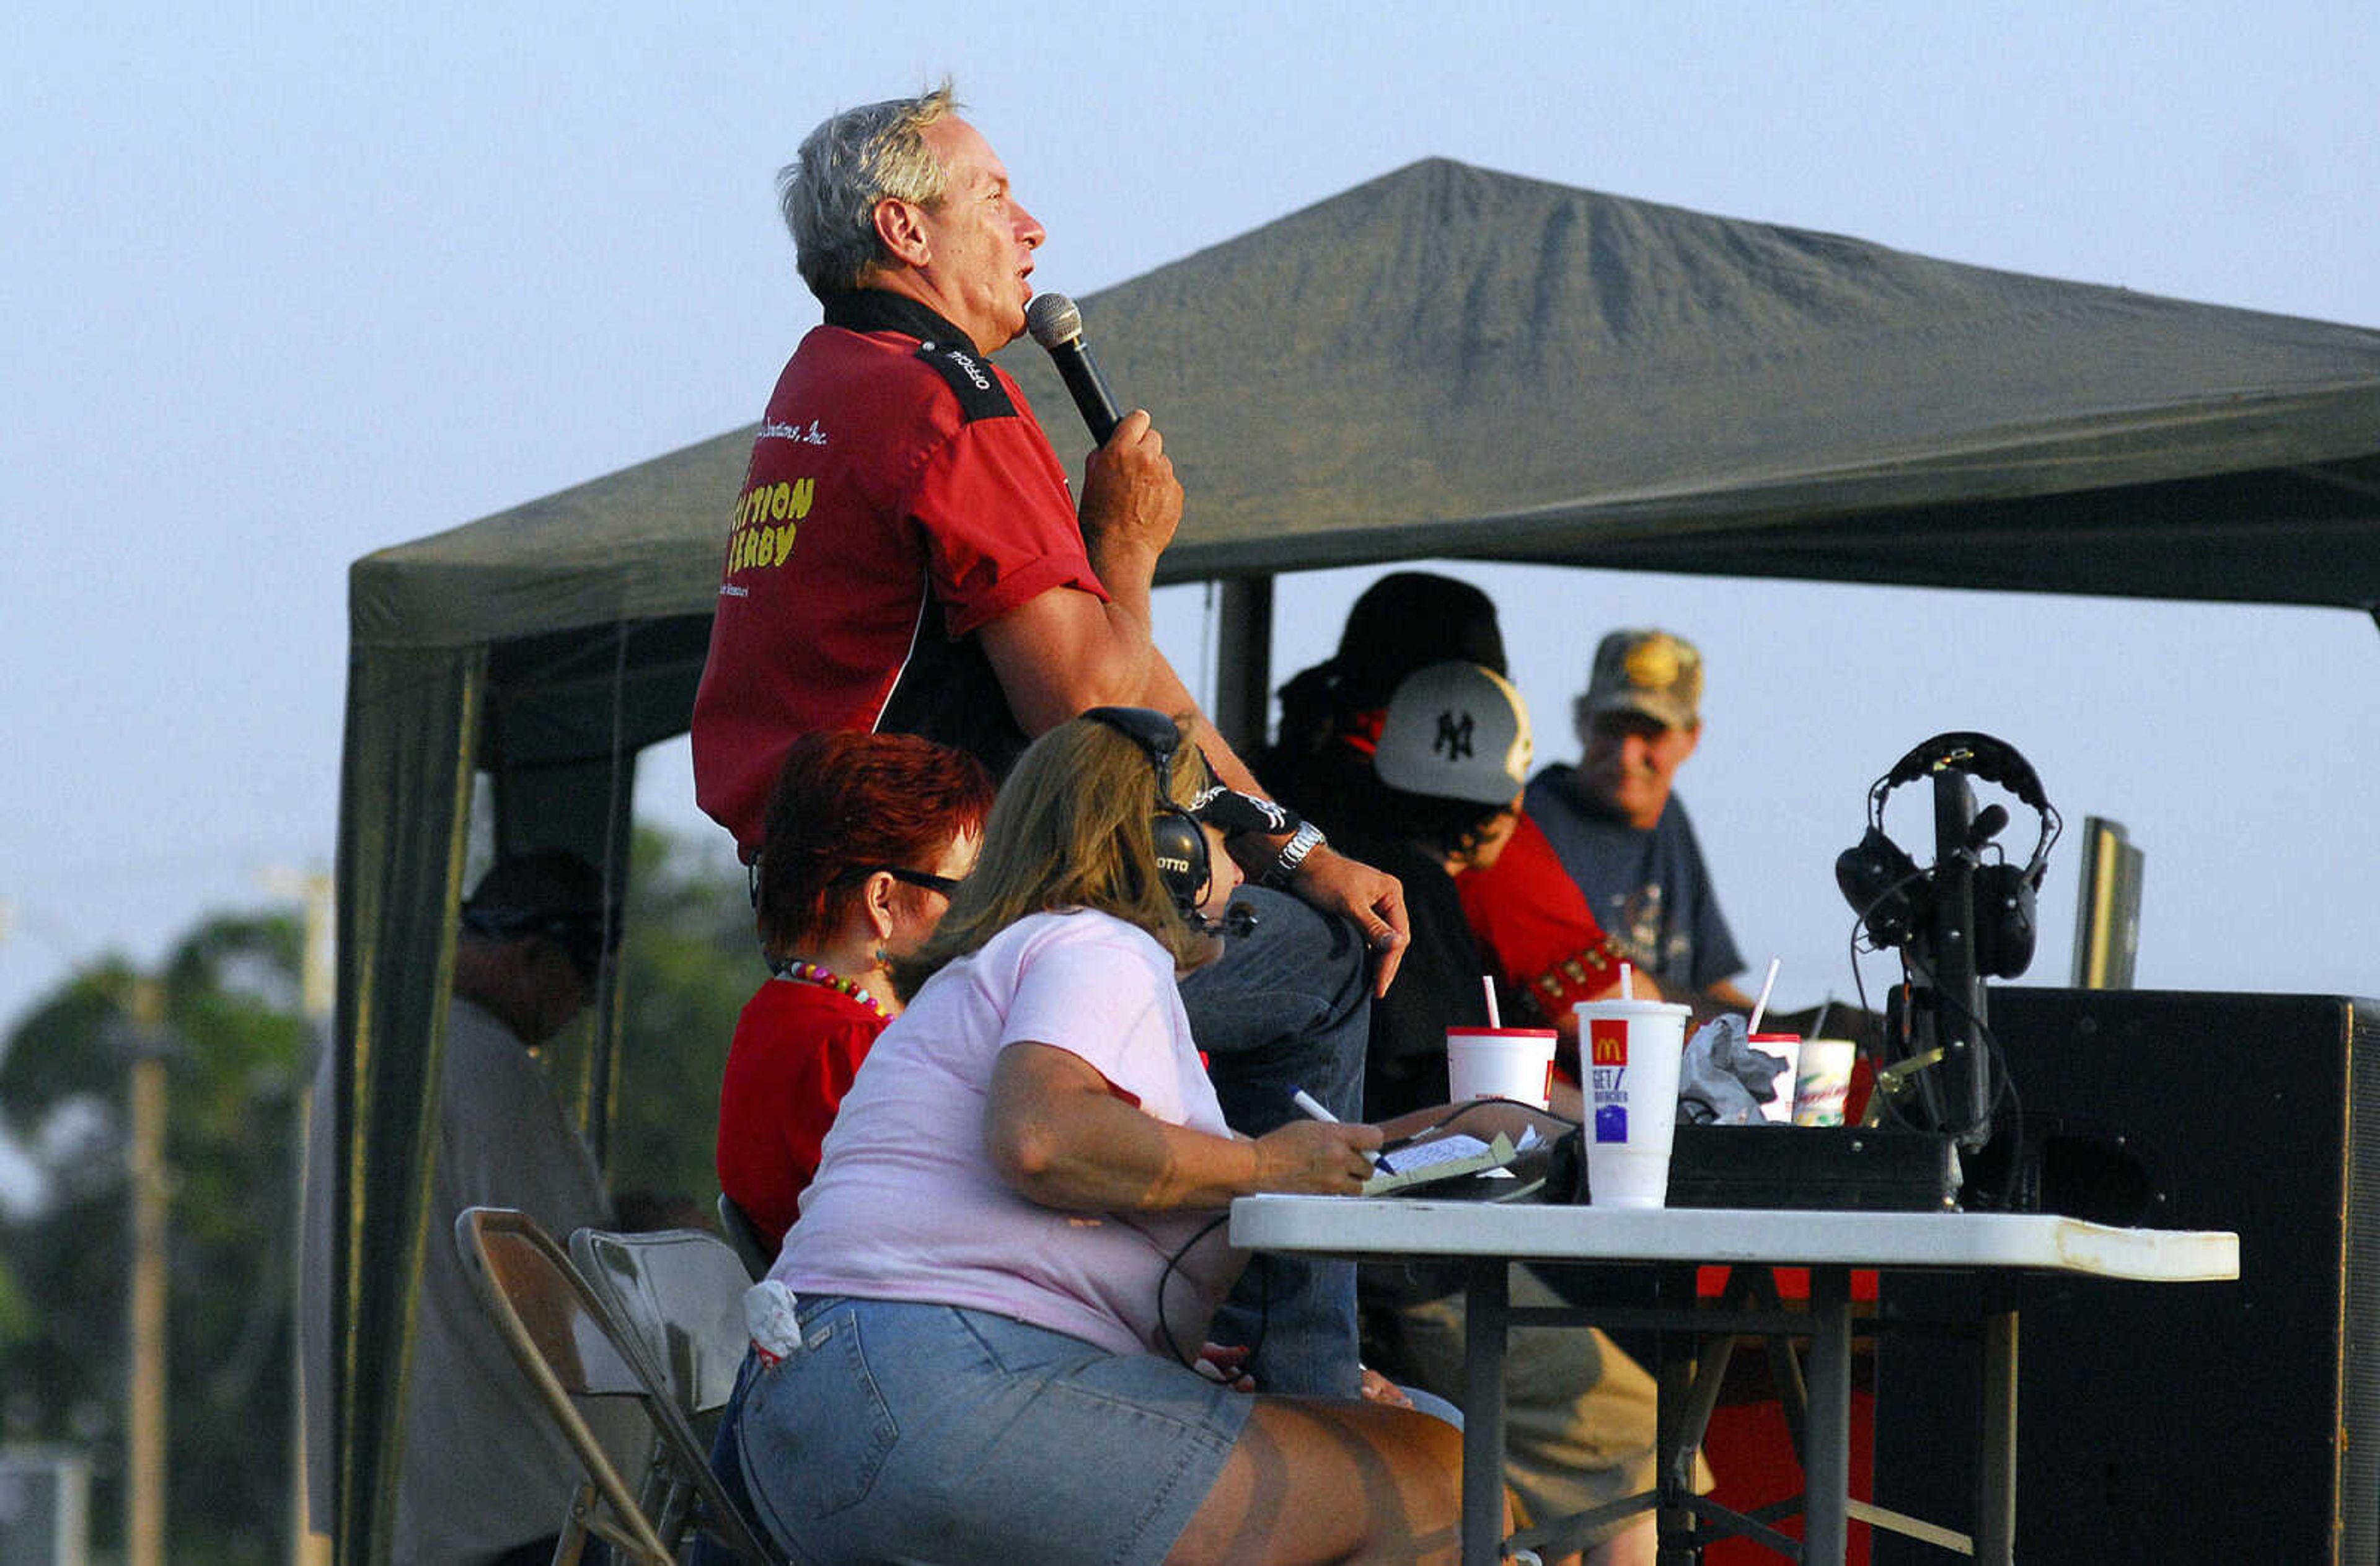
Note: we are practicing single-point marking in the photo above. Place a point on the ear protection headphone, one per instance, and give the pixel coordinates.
(1183, 866)
(1885, 887)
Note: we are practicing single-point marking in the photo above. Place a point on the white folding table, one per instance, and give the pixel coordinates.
(1489, 1236)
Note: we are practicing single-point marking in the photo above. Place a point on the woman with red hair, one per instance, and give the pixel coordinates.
(866, 837)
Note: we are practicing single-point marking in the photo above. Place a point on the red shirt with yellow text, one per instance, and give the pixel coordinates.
(900, 496)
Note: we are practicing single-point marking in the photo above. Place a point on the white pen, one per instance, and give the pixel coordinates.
(1312, 1108)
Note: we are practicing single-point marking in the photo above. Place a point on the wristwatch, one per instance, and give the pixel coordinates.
(1305, 840)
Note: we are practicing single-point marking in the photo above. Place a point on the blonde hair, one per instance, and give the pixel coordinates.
(1071, 830)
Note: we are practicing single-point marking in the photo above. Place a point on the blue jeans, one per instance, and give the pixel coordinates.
(727, 1464)
(1288, 1007)
(903, 1431)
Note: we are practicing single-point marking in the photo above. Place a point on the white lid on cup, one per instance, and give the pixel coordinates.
(1617, 1007)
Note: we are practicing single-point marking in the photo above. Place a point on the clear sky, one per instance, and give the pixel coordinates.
(282, 284)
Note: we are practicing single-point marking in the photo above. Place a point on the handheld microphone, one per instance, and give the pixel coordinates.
(1057, 325)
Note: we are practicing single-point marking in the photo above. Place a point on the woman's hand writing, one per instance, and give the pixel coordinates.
(1311, 1158)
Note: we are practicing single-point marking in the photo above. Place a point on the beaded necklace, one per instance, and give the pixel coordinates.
(810, 973)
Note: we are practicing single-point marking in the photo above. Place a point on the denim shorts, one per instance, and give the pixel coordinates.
(932, 1433)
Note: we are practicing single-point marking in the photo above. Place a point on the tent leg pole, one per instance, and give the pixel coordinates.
(1243, 661)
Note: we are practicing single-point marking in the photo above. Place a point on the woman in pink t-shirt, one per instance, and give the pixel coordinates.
(867, 836)
(1008, 1258)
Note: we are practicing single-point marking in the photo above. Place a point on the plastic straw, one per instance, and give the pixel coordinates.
(1627, 982)
(1762, 1004)
(1489, 984)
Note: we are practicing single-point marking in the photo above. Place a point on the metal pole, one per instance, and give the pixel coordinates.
(1487, 1317)
(1825, 1460)
(1996, 1473)
(1243, 662)
(310, 1540)
(144, 1530)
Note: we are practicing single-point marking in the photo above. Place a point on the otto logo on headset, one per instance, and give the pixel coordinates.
(1178, 841)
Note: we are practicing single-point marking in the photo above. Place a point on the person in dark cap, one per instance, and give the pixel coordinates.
(484, 1477)
(1619, 828)
(1405, 621)
(1535, 933)
(1436, 797)
(533, 942)
(1439, 793)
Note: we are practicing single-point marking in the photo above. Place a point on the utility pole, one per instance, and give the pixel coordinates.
(310, 1538)
(144, 1530)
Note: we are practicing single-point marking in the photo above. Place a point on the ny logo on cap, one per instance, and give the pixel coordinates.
(1453, 738)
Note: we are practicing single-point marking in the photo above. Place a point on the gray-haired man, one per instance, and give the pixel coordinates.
(906, 555)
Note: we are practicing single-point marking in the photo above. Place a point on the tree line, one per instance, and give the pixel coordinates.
(240, 1057)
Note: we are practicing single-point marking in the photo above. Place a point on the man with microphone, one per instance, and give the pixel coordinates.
(906, 555)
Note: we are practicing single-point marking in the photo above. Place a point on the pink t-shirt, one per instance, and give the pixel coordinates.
(906, 1205)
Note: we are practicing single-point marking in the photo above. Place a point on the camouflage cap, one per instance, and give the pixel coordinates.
(1649, 671)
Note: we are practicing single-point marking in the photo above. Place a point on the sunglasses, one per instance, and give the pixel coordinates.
(903, 873)
(585, 938)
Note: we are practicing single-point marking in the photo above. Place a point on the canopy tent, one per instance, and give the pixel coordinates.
(1445, 361)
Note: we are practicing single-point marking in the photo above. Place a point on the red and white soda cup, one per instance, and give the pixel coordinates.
(1500, 1063)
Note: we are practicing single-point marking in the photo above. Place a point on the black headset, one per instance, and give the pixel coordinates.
(1885, 887)
(1183, 866)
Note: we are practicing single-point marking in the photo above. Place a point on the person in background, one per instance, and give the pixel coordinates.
(1437, 791)
(1537, 937)
(1437, 797)
(905, 557)
(1619, 828)
(1405, 621)
(867, 837)
(984, 1318)
(485, 1477)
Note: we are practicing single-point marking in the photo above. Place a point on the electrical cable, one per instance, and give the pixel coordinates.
(1173, 1264)
(1441, 1124)
(2004, 1094)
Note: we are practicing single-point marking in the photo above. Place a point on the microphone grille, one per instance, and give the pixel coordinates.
(1053, 320)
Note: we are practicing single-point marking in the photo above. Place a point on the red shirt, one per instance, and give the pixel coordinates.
(797, 1047)
(1534, 924)
(900, 495)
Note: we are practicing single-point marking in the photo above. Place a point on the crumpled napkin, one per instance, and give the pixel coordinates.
(1723, 1080)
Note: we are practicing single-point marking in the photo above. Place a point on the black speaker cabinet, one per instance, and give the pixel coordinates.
(2173, 1422)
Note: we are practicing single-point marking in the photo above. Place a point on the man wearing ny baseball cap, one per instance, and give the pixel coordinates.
(1619, 829)
(1443, 797)
(1438, 797)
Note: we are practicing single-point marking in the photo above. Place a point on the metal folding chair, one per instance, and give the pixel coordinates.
(736, 1224)
(570, 1346)
(676, 1295)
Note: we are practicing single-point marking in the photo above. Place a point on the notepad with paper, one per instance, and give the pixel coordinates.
(1442, 1159)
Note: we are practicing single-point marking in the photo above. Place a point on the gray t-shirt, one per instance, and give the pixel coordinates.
(484, 1468)
(1648, 890)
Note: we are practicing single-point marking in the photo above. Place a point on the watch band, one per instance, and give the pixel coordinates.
(1304, 841)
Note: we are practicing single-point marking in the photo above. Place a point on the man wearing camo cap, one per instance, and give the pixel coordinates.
(1619, 828)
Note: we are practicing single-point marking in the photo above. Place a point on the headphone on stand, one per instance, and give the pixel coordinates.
(1885, 887)
(1183, 866)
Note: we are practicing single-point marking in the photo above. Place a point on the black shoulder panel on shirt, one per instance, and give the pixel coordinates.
(948, 692)
(979, 391)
